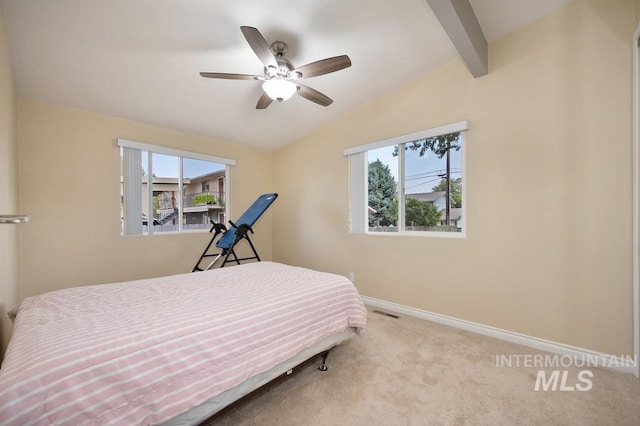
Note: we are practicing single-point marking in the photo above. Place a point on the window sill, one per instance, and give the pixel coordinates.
(185, 232)
(454, 235)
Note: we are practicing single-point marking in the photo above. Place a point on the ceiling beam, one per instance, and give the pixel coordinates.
(461, 24)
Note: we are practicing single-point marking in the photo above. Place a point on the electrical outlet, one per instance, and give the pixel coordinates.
(352, 277)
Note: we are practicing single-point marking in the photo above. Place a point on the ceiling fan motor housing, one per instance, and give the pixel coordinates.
(285, 67)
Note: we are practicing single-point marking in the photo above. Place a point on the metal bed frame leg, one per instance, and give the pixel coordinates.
(323, 366)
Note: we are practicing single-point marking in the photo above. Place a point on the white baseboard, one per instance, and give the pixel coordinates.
(613, 362)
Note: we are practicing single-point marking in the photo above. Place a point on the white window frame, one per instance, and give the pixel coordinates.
(133, 208)
(358, 181)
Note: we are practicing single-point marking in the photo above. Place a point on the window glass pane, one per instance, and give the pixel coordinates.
(204, 193)
(154, 193)
(382, 196)
(166, 197)
(415, 186)
(433, 184)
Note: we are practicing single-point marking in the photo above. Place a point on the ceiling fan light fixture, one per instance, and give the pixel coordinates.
(278, 89)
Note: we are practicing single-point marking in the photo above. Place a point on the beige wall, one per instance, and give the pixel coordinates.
(548, 251)
(8, 190)
(549, 187)
(73, 237)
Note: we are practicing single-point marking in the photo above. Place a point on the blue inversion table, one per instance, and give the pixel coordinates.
(237, 232)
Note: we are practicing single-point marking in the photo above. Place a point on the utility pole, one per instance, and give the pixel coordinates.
(448, 191)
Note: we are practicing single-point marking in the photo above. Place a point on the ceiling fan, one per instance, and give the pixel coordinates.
(281, 80)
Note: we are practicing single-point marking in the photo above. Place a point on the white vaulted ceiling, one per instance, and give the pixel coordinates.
(140, 59)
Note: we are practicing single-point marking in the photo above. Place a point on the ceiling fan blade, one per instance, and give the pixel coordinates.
(264, 101)
(313, 95)
(259, 46)
(325, 66)
(227, 76)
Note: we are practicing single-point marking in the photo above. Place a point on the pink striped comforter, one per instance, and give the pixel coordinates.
(145, 351)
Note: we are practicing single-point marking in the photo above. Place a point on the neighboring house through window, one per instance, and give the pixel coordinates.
(204, 205)
(168, 190)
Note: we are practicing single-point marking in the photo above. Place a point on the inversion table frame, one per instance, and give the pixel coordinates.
(241, 229)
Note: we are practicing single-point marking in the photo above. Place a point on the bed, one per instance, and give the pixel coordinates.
(171, 350)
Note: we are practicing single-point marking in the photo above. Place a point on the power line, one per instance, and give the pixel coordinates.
(431, 173)
(420, 184)
(440, 175)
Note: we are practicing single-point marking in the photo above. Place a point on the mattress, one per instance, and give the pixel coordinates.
(147, 351)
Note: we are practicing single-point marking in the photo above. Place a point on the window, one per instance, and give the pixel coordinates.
(409, 184)
(167, 190)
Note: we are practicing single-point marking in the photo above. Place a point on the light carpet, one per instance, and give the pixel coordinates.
(409, 371)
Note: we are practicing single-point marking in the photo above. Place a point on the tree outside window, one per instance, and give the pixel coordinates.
(424, 183)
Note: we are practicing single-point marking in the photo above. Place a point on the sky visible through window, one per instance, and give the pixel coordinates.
(422, 172)
(168, 166)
